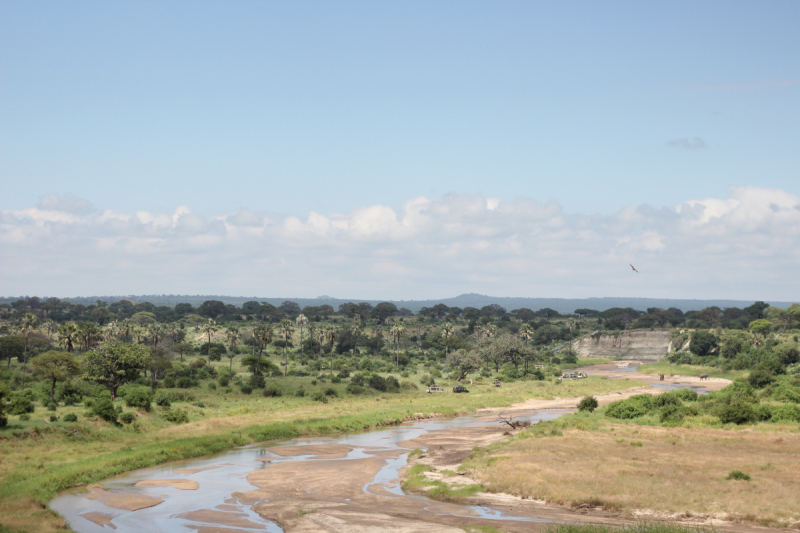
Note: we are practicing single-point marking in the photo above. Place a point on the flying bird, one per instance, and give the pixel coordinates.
(634, 268)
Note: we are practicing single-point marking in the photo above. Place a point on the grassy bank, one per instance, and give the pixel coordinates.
(586, 459)
(689, 370)
(39, 459)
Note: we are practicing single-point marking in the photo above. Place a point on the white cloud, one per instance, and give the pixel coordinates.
(744, 246)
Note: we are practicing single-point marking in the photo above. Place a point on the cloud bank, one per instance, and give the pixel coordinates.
(744, 246)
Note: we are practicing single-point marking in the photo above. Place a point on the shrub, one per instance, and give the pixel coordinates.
(588, 403)
(319, 397)
(127, 417)
(352, 388)
(71, 417)
(787, 412)
(407, 385)
(53, 418)
(246, 389)
(169, 382)
(19, 405)
(52, 406)
(272, 391)
(687, 395)
(201, 405)
(88, 402)
(674, 414)
(104, 408)
(139, 399)
(24, 416)
(163, 400)
(736, 412)
(377, 382)
(301, 392)
(257, 381)
(762, 412)
(177, 416)
(358, 379)
(330, 391)
(760, 378)
(738, 475)
(223, 381)
(665, 399)
(392, 385)
(212, 386)
(631, 408)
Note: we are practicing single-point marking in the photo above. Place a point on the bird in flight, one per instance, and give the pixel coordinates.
(634, 268)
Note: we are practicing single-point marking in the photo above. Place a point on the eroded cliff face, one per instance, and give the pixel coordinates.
(639, 345)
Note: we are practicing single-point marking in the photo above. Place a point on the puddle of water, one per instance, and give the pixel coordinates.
(238, 463)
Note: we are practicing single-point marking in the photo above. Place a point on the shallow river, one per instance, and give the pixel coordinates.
(221, 477)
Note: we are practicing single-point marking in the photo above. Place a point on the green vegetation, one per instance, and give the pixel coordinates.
(641, 527)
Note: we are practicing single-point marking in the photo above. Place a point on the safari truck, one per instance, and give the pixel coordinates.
(434, 389)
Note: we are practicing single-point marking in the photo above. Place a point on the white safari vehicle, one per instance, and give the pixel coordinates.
(434, 389)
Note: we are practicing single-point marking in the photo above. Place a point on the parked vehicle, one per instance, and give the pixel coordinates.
(434, 389)
(460, 388)
(496, 383)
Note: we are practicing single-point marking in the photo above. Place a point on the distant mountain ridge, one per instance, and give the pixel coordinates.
(562, 305)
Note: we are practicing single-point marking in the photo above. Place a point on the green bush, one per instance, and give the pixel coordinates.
(201, 405)
(139, 399)
(377, 382)
(272, 391)
(330, 391)
(407, 385)
(588, 403)
(163, 400)
(53, 418)
(674, 414)
(177, 416)
(760, 378)
(738, 475)
(358, 379)
(52, 406)
(24, 416)
(246, 389)
(665, 399)
(223, 381)
(786, 413)
(687, 395)
(71, 417)
(763, 412)
(19, 405)
(392, 385)
(300, 392)
(736, 412)
(104, 408)
(631, 408)
(127, 417)
(352, 388)
(319, 397)
(212, 386)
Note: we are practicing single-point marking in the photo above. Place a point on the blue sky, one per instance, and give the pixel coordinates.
(298, 108)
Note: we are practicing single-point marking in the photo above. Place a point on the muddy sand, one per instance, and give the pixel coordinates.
(182, 484)
(127, 501)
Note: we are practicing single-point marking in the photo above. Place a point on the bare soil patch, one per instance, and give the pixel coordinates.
(121, 500)
(182, 484)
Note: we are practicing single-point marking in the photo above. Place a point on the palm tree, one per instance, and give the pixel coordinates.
(50, 326)
(27, 323)
(262, 335)
(396, 333)
(331, 334)
(322, 334)
(447, 331)
(311, 337)
(301, 322)
(156, 332)
(234, 336)
(88, 333)
(66, 336)
(209, 327)
(286, 329)
(526, 332)
(356, 332)
(758, 340)
(125, 327)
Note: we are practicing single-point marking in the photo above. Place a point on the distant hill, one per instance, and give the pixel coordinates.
(562, 305)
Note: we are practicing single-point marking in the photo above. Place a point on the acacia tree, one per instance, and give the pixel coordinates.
(27, 323)
(115, 364)
(286, 329)
(463, 362)
(56, 366)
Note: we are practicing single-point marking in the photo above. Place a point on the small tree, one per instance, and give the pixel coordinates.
(27, 323)
(588, 403)
(286, 329)
(56, 366)
(115, 364)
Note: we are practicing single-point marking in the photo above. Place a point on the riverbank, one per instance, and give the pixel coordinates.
(37, 464)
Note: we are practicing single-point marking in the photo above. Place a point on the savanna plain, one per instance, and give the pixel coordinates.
(91, 391)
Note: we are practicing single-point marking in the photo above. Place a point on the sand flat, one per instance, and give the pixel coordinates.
(325, 451)
(182, 484)
(126, 501)
(222, 518)
(101, 519)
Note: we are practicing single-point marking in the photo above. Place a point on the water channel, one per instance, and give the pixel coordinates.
(216, 505)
